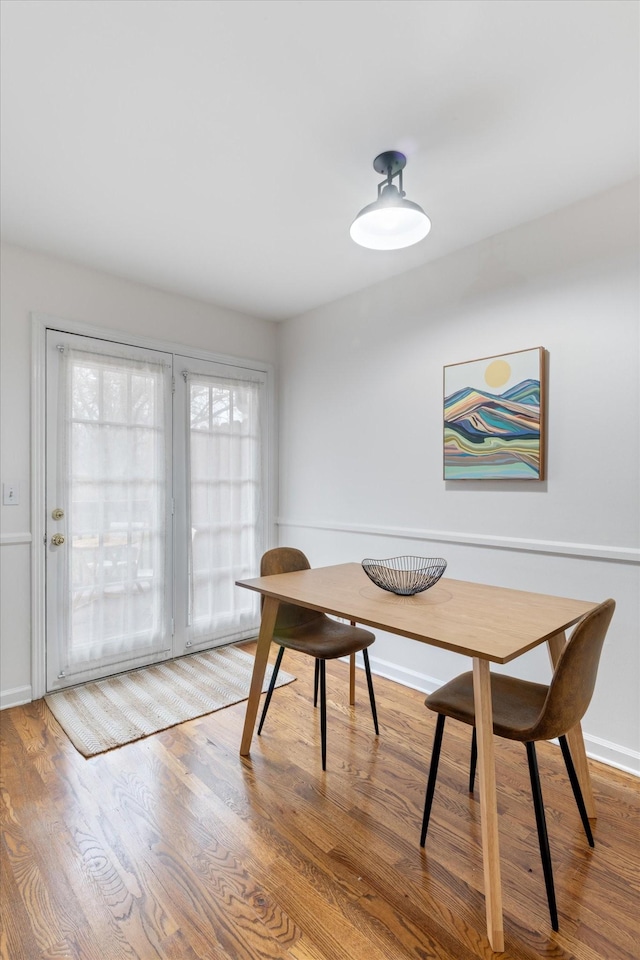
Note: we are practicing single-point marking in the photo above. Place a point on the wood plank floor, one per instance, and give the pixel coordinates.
(175, 848)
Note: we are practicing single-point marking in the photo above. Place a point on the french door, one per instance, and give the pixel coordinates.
(219, 483)
(154, 489)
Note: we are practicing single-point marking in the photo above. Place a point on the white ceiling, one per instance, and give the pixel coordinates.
(221, 149)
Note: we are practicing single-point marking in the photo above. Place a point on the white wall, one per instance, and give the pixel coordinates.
(361, 436)
(42, 284)
(361, 428)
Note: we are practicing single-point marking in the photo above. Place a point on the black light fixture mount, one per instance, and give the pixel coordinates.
(390, 222)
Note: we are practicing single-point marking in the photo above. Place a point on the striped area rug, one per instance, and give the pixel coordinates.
(108, 713)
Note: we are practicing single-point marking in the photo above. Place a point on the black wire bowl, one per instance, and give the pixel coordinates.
(405, 575)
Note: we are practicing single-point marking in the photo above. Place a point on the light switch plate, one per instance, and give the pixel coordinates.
(10, 493)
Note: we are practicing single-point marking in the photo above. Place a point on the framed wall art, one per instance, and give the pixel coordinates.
(494, 417)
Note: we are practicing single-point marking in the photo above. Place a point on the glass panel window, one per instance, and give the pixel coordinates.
(225, 504)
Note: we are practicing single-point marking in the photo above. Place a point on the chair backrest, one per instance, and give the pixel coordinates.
(287, 560)
(574, 677)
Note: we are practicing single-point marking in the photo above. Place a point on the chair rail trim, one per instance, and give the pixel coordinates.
(612, 552)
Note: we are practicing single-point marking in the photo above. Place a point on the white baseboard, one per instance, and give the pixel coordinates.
(14, 697)
(614, 755)
(402, 675)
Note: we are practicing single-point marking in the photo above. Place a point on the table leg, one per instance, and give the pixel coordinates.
(488, 803)
(267, 624)
(352, 675)
(575, 739)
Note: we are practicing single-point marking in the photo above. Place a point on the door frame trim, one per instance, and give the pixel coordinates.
(40, 323)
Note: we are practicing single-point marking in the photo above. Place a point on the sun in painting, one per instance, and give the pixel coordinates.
(497, 373)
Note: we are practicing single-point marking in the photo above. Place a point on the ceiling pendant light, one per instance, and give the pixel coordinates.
(391, 222)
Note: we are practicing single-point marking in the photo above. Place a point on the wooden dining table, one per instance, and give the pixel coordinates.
(490, 624)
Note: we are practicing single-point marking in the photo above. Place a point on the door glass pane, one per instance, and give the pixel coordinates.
(113, 474)
(225, 504)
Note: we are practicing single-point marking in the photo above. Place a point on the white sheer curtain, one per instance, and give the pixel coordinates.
(113, 469)
(225, 482)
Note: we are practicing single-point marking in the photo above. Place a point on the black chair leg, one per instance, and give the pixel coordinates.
(315, 683)
(575, 785)
(372, 698)
(543, 838)
(474, 760)
(272, 685)
(323, 710)
(433, 773)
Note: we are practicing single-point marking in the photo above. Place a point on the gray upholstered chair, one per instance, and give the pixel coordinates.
(527, 712)
(314, 633)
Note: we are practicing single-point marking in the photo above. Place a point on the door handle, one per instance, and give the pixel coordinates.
(57, 539)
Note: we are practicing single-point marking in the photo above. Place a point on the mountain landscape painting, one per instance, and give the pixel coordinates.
(494, 417)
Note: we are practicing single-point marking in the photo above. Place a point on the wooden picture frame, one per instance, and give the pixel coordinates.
(495, 417)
